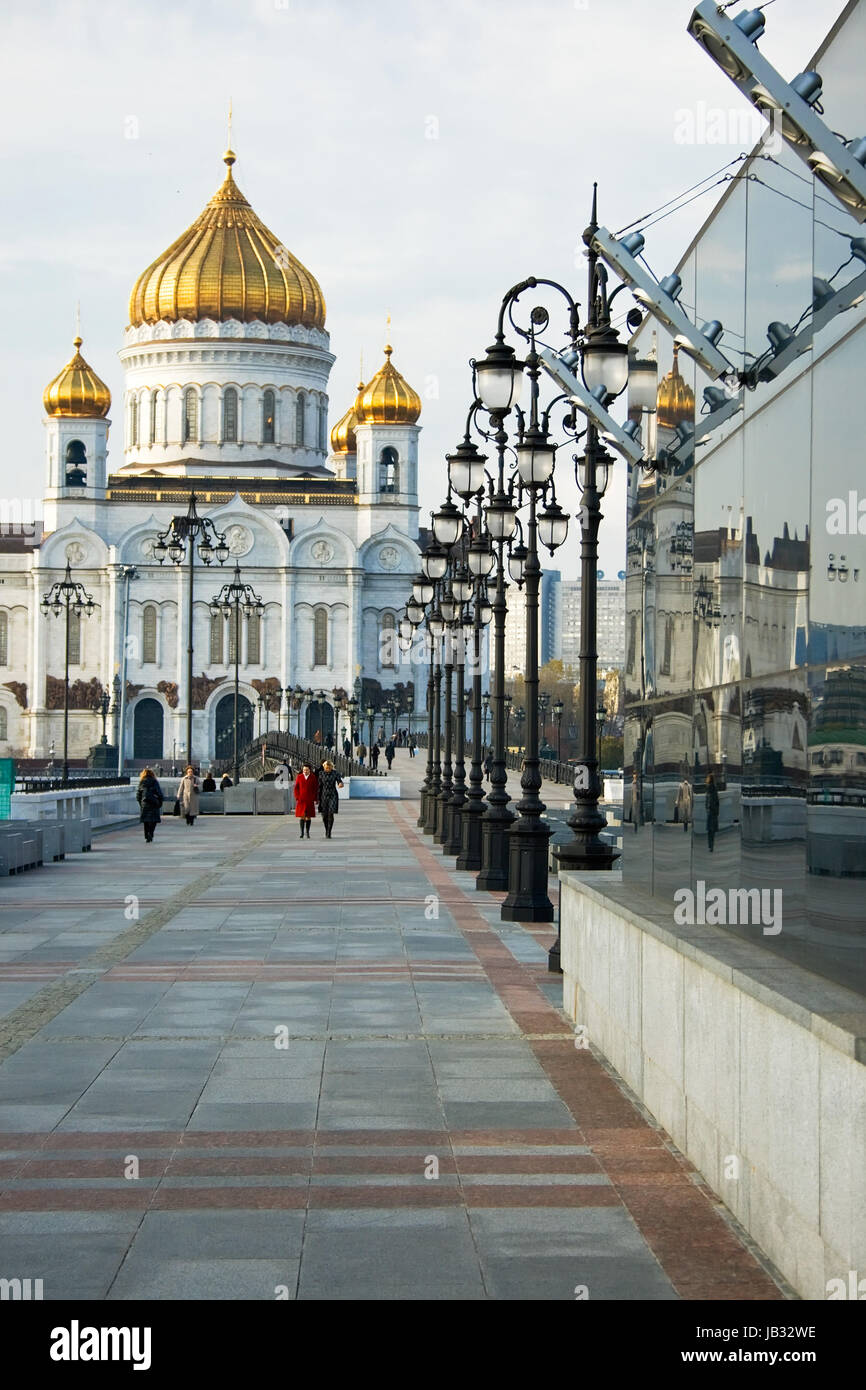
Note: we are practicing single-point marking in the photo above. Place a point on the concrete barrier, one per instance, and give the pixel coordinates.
(272, 800)
(240, 801)
(754, 1066)
(373, 788)
(101, 806)
(211, 804)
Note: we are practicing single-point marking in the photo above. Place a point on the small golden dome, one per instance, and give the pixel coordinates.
(227, 265)
(388, 399)
(675, 402)
(343, 434)
(77, 391)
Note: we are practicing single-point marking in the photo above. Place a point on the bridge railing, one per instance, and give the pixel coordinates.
(269, 750)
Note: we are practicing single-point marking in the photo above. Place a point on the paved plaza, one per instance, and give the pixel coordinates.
(236, 1065)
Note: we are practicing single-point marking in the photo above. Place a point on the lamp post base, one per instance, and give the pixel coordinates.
(493, 877)
(528, 852)
(430, 812)
(454, 838)
(422, 817)
(472, 819)
(442, 817)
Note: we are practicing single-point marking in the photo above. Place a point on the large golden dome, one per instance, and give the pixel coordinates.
(343, 434)
(675, 401)
(388, 399)
(77, 391)
(227, 265)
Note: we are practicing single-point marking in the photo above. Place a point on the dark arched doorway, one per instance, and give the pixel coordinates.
(224, 733)
(147, 730)
(320, 719)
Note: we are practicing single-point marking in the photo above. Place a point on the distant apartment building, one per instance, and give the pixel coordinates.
(611, 623)
(548, 625)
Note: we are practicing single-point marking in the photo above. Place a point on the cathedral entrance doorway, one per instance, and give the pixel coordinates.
(147, 730)
(224, 734)
(320, 720)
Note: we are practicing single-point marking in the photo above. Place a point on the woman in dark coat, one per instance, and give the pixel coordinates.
(329, 797)
(306, 796)
(149, 797)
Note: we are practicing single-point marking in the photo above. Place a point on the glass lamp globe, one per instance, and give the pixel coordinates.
(499, 377)
(447, 524)
(466, 470)
(552, 527)
(605, 361)
(535, 459)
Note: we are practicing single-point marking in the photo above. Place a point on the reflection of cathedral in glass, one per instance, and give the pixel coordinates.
(745, 677)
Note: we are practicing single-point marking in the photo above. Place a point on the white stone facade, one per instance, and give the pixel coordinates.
(333, 562)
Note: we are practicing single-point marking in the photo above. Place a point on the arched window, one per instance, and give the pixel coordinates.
(300, 419)
(387, 642)
(76, 464)
(133, 421)
(320, 637)
(148, 635)
(74, 638)
(323, 427)
(4, 722)
(190, 415)
(4, 639)
(154, 402)
(230, 415)
(254, 640)
(388, 470)
(217, 630)
(268, 426)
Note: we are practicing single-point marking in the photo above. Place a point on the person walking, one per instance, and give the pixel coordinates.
(150, 798)
(374, 756)
(410, 743)
(306, 796)
(389, 753)
(347, 748)
(329, 797)
(712, 811)
(362, 753)
(187, 795)
(683, 807)
(488, 764)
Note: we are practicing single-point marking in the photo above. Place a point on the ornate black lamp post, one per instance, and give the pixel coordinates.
(604, 364)
(177, 542)
(102, 706)
(433, 565)
(520, 719)
(543, 707)
(436, 628)
(321, 700)
(485, 706)
(371, 715)
(462, 633)
(352, 710)
(501, 521)
(234, 598)
(67, 594)
(558, 708)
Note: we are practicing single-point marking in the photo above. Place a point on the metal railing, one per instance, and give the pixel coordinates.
(551, 769)
(75, 782)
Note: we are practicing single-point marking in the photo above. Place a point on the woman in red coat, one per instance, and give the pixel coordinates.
(306, 796)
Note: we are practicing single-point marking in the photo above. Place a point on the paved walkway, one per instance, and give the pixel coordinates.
(238, 1066)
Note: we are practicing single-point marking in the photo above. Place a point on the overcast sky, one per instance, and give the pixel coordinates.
(419, 156)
